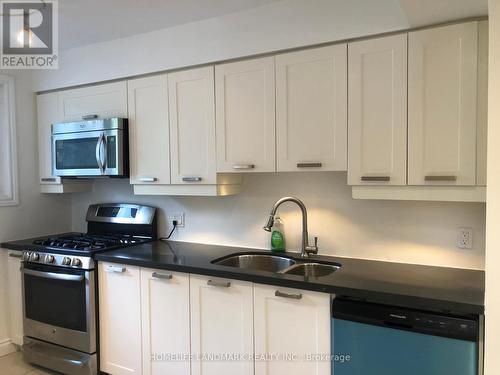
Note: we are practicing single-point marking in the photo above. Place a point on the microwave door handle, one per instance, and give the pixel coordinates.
(98, 152)
(104, 145)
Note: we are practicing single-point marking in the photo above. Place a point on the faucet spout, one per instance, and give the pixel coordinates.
(306, 249)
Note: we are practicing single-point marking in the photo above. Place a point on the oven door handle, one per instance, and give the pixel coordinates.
(53, 275)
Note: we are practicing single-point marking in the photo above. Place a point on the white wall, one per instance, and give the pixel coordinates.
(36, 214)
(492, 360)
(416, 232)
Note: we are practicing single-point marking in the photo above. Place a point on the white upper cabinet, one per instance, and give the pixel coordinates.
(221, 323)
(149, 130)
(482, 102)
(120, 319)
(48, 113)
(291, 322)
(245, 116)
(377, 111)
(192, 126)
(442, 102)
(311, 109)
(106, 100)
(165, 322)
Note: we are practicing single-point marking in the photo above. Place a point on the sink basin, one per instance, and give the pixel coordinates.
(257, 262)
(311, 269)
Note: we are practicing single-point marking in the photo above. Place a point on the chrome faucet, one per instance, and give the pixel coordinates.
(306, 249)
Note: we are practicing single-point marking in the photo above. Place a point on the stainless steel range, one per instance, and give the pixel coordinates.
(59, 286)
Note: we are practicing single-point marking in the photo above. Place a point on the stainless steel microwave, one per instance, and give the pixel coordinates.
(90, 148)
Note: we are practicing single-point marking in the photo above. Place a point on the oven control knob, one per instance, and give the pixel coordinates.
(76, 262)
(34, 257)
(66, 261)
(26, 255)
(49, 259)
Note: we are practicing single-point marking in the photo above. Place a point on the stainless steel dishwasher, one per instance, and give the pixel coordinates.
(371, 339)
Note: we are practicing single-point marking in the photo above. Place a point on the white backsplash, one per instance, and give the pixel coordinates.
(413, 232)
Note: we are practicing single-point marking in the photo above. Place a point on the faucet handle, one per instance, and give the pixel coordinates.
(316, 242)
(314, 248)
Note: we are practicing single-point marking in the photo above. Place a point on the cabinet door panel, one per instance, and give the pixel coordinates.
(192, 126)
(294, 327)
(48, 113)
(377, 111)
(165, 322)
(442, 92)
(106, 100)
(148, 128)
(245, 116)
(221, 324)
(311, 109)
(120, 319)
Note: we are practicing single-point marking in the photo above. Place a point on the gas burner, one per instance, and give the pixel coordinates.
(89, 242)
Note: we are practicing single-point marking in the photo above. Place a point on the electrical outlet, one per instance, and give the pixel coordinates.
(179, 217)
(464, 240)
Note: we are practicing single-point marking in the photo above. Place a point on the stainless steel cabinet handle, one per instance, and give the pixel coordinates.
(220, 284)
(53, 275)
(375, 178)
(243, 166)
(440, 178)
(15, 255)
(164, 276)
(115, 269)
(148, 179)
(288, 295)
(309, 165)
(191, 179)
(89, 117)
(48, 179)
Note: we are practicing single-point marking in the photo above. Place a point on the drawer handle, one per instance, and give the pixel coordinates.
(288, 295)
(163, 276)
(191, 179)
(243, 166)
(48, 179)
(15, 255)
(220, 284)
(149, 179)
(309, 165)
(115, 269)
(375, 178)
(440, 178)
(89, 117)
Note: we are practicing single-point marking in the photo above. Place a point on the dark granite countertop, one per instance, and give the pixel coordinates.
(442, 289)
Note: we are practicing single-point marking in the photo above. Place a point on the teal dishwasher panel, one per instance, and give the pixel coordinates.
(378, 350)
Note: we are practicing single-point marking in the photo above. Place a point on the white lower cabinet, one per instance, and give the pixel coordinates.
(158, 322)
(221, 325)
(292, 328)
(165, 322)
(15, 292)
(120, 319)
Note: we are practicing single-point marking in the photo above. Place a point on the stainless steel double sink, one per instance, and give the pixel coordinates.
(278, 264)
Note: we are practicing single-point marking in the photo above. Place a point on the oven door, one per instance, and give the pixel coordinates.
(59, 306)
(86, 154)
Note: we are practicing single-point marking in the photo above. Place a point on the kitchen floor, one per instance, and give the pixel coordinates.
(13, 364)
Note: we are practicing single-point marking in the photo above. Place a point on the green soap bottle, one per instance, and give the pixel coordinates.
(278, 235)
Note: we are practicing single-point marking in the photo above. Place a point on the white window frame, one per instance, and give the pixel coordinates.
(9, 192)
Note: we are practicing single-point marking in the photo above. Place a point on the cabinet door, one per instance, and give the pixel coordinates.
(377, 111)
(245, 116)
(221, 325)
(293, 325)
(482, 103)
(148, 128)
(442, 87)
(165, 322)
(311, 109)
(106, 100)
(15, 293)
(48, 113)
(192, 126)
(120, 319)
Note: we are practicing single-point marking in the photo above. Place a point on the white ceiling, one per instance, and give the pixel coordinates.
(83, 22)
